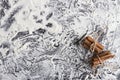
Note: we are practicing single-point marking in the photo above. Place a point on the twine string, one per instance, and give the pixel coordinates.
(93, 45)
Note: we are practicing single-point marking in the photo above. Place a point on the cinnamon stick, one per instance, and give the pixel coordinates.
(97, 43)
(96, 49)
(99, 55)
(102, 60)
(86, 41)
(98, 62)
(104, 56)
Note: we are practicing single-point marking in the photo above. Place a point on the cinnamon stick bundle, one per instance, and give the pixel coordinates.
(88, 43)
(99, 56)
(97, 43)
(103, 56)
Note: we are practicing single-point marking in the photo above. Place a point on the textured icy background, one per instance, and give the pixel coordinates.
(37, 39)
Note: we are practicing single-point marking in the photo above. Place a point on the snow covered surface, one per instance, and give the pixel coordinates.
(37, 39)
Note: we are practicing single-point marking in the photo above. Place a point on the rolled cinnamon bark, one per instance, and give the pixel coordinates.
(99, 55)
(97, 62)
(86, 41)
(96, 49)
(104, 56)
(87, 44)
(97, 43)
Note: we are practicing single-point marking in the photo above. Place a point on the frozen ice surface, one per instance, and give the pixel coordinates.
(37, 39)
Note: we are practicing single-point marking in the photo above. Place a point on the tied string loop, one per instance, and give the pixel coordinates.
(92, 48)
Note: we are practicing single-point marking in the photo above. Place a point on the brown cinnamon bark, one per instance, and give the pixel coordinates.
(87, 44)
(97, 43)
(103, 56)
(95, 63)
(96, 49)
(99, 55)
(89, 41)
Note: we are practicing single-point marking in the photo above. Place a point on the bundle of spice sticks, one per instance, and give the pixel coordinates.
(99, 55)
